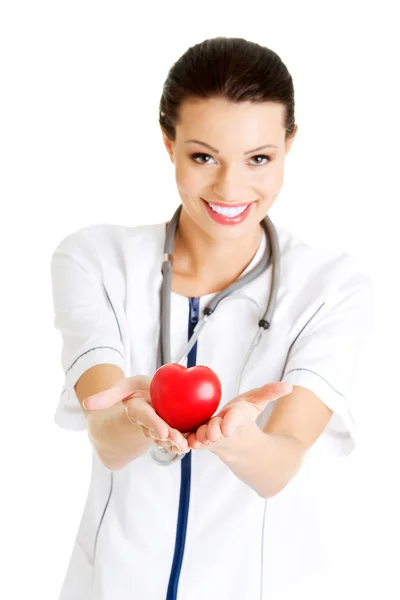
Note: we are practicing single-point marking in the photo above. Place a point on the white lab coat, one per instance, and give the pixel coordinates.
(106, 290)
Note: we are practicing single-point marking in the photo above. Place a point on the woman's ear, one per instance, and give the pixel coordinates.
(169, 145)
(290, 141)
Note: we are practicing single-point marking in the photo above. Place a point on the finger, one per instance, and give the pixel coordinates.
(201, 435)
(231, 421)
(270, 391)
(140, 382)
(176, 437)
(261, 396)
(147, 432)
(214, 429)
(140, 412)
(193, 442)
(171, 449)
(118, 392)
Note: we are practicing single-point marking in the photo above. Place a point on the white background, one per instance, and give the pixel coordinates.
(80, 144)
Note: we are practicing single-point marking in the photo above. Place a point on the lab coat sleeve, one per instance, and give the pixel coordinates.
(84, 316)
(327, 355)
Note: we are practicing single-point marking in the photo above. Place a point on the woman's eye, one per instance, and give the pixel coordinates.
(200, 155)
(262, 156)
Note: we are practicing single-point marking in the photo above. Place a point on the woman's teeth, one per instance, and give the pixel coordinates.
(228, 212)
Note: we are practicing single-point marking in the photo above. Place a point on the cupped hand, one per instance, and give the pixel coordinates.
(134, 395)
(242, 410)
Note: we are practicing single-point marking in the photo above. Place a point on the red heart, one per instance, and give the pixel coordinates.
(185, 398)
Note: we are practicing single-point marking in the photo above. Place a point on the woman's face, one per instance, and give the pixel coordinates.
(228, 154)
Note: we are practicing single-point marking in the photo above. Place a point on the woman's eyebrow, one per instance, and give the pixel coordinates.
(217, 151)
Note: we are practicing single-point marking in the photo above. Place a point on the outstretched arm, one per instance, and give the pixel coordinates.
(265, 459)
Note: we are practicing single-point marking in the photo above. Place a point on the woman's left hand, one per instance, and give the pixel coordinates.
(238, 412)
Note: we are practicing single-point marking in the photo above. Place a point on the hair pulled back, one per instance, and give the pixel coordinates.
(234, 69)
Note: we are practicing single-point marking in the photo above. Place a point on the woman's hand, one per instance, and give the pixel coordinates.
(134, 395)
(238, 412)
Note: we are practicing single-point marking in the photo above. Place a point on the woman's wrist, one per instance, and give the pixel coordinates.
(116, 439)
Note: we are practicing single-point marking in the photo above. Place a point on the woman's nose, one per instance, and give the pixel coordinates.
(229, 188)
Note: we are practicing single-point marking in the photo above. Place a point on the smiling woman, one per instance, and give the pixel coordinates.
(226, 194)
(236, 518)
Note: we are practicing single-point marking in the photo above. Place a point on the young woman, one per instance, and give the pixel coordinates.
(227, 512)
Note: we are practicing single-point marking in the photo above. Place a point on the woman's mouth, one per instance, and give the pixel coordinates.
(228, 215)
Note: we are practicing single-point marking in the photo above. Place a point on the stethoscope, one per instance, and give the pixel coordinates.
(271, 256)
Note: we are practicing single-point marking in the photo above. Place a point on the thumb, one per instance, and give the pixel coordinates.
(267, 393)
(123, 389)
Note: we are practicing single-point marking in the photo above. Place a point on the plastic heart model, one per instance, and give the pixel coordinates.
(185, 398)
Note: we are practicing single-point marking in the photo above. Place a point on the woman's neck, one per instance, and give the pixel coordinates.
(204, 265)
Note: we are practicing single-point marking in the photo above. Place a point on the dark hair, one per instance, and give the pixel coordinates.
(231, 68)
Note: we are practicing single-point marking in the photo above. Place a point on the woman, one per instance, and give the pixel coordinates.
(236, 517)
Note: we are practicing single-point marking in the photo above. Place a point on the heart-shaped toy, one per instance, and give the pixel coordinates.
(185, 398)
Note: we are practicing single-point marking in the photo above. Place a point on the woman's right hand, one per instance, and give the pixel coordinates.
(134, 395)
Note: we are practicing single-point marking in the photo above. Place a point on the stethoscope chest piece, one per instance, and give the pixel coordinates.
(163, 457)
